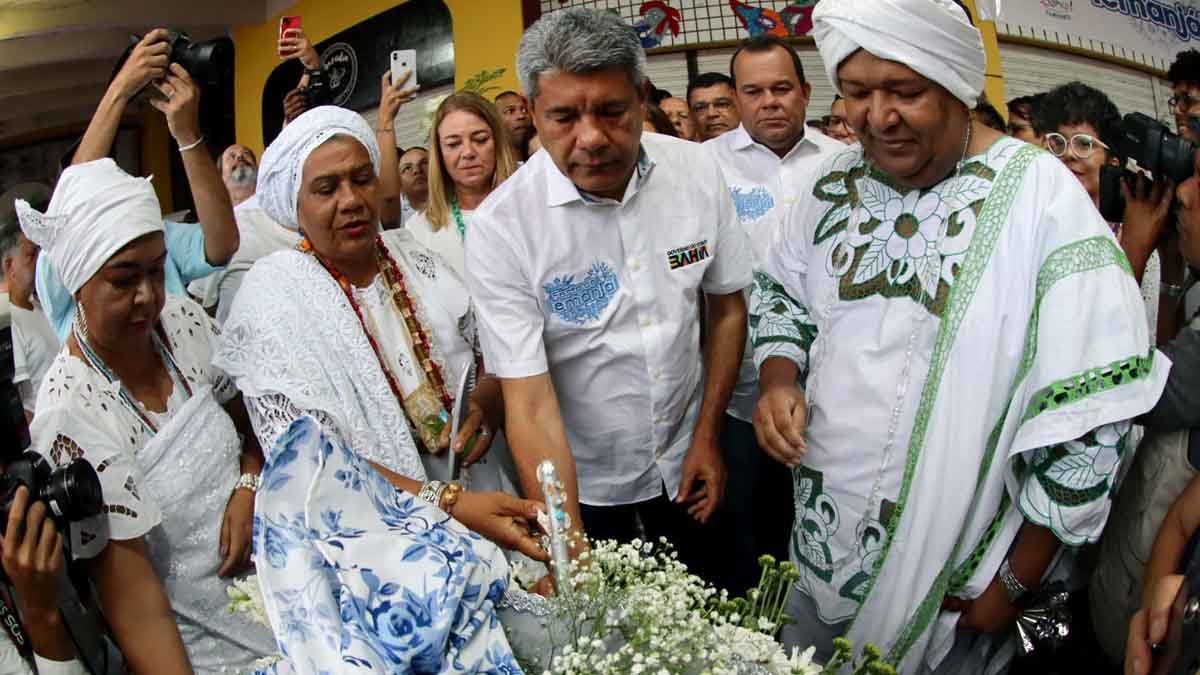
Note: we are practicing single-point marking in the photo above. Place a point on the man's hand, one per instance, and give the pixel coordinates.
(146, 63)
(1149, 626)
(702, 488)
(237, 527)
(295, 45)
(989, 613)
(32, 555)
(181, 105)
(393, 96)
(1147, 205)
(295, 103)
(779, 423)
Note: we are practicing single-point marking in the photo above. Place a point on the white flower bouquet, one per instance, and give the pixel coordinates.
(245, 597)
(634, 608)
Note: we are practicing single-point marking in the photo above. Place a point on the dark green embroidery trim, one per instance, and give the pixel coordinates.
(1089, 383)
(966, 570)
(825, 509)
(991, 222)
(1068, 260)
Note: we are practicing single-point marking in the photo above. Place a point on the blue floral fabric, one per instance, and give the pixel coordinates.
(360, 577)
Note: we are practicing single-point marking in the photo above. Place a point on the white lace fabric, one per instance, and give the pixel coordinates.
(296, 347)
(170, 487)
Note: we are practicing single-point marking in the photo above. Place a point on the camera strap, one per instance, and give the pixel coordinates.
(13, 626)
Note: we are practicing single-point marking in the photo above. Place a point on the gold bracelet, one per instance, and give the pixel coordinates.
(450, 497)
(390, 130)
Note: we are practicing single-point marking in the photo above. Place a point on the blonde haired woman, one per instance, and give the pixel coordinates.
(469, 156)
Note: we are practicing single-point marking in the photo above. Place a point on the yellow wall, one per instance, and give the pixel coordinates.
(994, 86)
(485, 36)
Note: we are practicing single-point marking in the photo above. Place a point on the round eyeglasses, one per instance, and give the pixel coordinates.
(1082, 146)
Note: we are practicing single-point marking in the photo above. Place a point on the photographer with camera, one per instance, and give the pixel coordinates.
(1184, 76)
(193, 252)
(313, 88)
(1080, 125)
(32, 559)
(1170, 466)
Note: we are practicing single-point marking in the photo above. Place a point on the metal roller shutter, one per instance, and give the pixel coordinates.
(1031, 70)
(409, 119)
(668, 71)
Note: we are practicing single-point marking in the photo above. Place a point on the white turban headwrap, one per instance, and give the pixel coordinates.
(96, 210)
(281, 170)
(933, 37)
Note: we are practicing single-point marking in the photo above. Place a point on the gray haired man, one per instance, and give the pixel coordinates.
(586, 268)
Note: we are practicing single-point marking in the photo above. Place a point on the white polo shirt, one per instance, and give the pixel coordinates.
(764, 187)
(604, 296)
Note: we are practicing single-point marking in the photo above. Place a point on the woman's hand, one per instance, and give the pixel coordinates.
(508, 521)
(237, 528)
(1149, 626)
(32, 554)
(294, 44)
(181, 104)
(147, 63)
(392, 97)
(474, 438)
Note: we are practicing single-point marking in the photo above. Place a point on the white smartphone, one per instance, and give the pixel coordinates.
(402, 60)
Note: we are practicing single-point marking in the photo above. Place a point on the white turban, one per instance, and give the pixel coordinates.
(281, 170)
(96, 210)
(933, 37)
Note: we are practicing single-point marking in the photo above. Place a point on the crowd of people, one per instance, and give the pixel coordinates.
(898, 344)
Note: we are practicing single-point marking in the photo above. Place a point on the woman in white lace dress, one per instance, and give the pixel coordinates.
(133, 393)
(363, 333)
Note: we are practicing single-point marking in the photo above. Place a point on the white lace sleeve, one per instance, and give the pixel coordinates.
(272, 414)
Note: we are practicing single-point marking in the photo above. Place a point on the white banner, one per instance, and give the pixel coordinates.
(1149, 32)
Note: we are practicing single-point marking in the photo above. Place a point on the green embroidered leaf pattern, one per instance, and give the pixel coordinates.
(817, 520)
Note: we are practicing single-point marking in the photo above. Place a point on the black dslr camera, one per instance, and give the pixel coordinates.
(1145, 146)
(210, 63)
(70, 493)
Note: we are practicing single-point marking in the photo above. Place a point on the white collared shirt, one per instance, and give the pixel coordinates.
(604, 296)
(764, 187)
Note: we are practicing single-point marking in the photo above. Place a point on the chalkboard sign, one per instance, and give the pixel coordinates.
(357, 58)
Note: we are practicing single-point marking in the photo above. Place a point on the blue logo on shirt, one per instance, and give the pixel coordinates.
(583, 301)
(752, 204)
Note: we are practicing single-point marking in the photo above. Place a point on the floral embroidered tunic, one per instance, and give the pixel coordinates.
(971, 354)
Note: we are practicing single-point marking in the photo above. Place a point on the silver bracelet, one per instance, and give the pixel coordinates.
(432, 492)
(1012, 585)
(248, 481)
(192, 146)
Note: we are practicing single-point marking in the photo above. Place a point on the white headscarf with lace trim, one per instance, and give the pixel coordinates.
(96, 210)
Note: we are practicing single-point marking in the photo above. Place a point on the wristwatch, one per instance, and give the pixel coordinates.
(1171, 290)
(1012, 585)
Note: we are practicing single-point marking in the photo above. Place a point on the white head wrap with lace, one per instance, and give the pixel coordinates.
(933, 37)
(281, 171)
(96, 209)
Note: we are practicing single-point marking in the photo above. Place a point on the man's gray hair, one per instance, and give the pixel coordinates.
(10, 236)
(579, 41)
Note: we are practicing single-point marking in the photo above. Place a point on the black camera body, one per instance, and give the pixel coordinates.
(71, 493)
(210, 63)
(1146, 145)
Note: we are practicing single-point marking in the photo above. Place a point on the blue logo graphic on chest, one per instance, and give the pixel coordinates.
(752, 203)
(585, 300)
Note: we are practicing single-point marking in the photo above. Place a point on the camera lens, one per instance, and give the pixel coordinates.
(73, 492)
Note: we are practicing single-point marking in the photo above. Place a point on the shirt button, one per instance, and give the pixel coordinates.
(646, 321)
(657, 374)
(635, 265)
(658, 419)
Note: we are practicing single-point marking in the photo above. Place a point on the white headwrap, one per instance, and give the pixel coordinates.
(282, 167)
(933, 37)
(96, 209)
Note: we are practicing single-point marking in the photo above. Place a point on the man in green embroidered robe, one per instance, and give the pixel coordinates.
(950, 346)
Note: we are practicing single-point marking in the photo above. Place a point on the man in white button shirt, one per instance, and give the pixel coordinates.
(585, 267)
(768, 161)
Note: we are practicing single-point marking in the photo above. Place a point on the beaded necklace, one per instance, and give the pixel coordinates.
(458, 218)
(398, 289)
(132, 404)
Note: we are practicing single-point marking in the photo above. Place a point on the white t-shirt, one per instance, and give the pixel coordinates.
(764, 187)
(34, 347)
(604, 295)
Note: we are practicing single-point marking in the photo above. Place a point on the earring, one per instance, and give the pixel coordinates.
(81, 322)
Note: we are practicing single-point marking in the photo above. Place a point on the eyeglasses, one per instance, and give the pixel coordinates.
(1080, 145)
(719, 104)
(1183, 101)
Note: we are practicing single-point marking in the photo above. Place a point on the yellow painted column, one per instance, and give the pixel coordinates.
(485, 37)
(994, 86)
